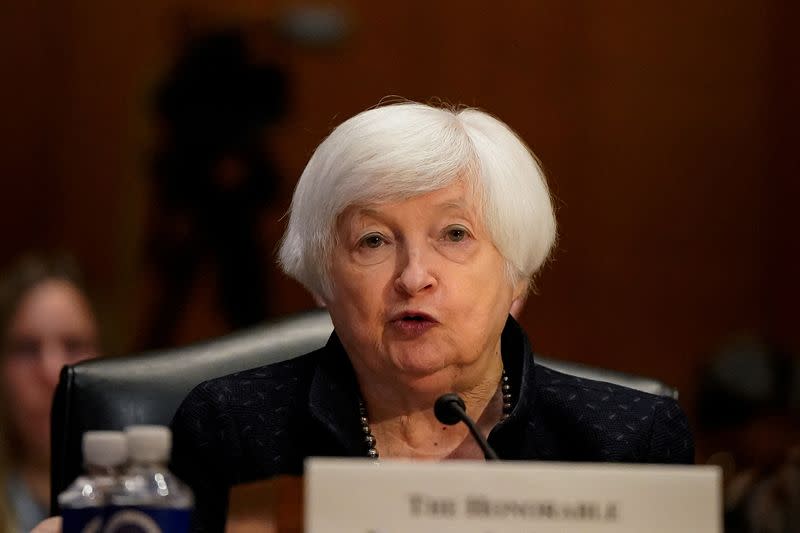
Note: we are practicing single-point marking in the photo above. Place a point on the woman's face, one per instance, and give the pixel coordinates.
(53, 326)
(420, 293)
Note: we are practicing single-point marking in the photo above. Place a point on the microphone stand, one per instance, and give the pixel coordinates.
(450, 409)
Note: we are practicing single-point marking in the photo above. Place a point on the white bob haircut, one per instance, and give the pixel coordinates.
(407, 149)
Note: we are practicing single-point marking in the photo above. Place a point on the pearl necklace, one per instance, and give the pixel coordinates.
(369, 438)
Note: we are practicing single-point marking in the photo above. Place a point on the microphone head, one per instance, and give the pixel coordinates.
(449, 408)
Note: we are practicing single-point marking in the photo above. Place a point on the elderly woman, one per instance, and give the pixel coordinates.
(418, 227)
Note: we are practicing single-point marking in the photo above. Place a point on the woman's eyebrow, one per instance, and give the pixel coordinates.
(453, 205)
(370, 212)
(378, 214)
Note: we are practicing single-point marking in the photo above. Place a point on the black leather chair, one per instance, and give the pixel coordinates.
(148, 388)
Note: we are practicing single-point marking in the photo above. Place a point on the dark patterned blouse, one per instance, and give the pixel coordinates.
(263, 422)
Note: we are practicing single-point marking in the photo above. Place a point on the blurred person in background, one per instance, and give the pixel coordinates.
(46, 322)
(215, 182)
(749, 410)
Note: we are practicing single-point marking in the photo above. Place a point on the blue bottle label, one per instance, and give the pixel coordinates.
(85, 520)
(144, 519)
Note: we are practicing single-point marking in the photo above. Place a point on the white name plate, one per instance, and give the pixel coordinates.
(359, 496)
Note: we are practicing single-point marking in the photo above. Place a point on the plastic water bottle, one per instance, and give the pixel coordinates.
(83, 503)
(149, 497)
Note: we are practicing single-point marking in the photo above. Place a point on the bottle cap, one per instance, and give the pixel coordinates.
(104, 448)
(149, 444)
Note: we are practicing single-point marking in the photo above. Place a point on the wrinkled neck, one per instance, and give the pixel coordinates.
(403, 420)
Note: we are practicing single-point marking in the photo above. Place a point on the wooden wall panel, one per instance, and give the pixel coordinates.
(30, 185)
(662, 128)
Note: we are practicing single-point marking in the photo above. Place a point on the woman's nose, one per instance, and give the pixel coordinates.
(416, 272)
(52, 361)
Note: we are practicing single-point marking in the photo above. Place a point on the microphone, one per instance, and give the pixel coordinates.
(450, 409)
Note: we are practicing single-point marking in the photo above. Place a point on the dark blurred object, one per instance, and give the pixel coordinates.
(213, 179)
(749, 378)
(765, 502)
(749, 405)
(318, 26)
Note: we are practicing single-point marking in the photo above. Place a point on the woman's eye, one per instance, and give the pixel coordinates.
(456, 234)
(24, 348)
(76, 347)
(372, 241)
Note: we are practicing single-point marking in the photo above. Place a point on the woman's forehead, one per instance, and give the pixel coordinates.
(458, 196)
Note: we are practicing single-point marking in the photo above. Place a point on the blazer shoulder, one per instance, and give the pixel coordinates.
(623, 423)
(275, 383)
(231, 426)
(238, 422)
(554, 385)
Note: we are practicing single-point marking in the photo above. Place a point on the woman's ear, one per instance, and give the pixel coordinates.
(319, 301)
(520, 297)
(517, 305)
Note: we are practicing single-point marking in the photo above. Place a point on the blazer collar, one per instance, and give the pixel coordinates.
(334, 394)
(334, 397)
(518, 361)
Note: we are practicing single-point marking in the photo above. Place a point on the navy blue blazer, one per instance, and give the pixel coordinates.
(263, 422)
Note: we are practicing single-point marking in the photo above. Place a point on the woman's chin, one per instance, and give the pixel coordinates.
(424, 374)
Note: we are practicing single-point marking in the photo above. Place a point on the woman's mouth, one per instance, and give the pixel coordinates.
(413, 323)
